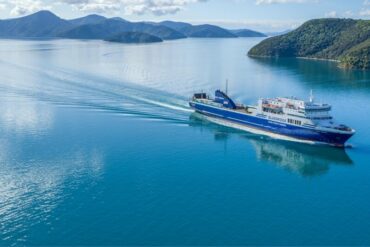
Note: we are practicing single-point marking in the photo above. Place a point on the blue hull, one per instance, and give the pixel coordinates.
(267, 125)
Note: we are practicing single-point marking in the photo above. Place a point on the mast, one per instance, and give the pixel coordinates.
(227, 86)
(311, 96)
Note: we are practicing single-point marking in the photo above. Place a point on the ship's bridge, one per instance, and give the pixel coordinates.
(298, 104)
(296, 107)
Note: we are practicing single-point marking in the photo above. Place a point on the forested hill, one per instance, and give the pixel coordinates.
(345, 40)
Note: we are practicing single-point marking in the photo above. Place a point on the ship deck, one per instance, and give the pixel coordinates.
(240, 108)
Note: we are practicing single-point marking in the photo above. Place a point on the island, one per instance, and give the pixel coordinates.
(207, 31)
(343, 40)
(134, 37)
(246, 33)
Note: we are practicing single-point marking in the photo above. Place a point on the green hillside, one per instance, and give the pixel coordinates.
(134, 37)
(345, 40)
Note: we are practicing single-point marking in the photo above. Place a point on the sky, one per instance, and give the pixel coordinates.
(261, 15)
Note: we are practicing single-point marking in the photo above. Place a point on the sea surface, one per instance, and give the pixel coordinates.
(99, 147)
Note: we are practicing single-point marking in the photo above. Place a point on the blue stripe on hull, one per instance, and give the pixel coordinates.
(296, 132)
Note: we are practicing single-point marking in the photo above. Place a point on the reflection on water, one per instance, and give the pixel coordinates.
(31, 188)
(304, 159)
(34, 174)
(25, 116)
(300, 158)
(324, 74)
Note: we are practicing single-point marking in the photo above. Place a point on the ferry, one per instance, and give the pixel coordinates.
(287, 118)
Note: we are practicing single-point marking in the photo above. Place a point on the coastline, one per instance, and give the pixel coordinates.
(339, 63)
(306, 58)
(319, 59)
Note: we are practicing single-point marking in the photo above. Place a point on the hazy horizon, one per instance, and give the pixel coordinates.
(260, 15)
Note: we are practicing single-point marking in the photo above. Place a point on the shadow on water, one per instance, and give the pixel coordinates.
(304, 159)
(322, 73)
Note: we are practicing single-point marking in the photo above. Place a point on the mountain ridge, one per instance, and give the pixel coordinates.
(45, 24)
(111, 27)
(89, 19)
(40, 24)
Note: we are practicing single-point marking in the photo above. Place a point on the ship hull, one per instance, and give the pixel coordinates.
(266, 126)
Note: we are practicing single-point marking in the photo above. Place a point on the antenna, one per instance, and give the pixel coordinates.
(311, 96)
(227, 86)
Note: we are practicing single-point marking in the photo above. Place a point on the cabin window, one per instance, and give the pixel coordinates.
(274, 111)
(296, 122)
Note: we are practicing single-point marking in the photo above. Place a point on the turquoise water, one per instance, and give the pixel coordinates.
(98, 147)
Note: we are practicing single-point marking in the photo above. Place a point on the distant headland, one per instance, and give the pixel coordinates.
(134, 37)
(45, 24)
(344, 40)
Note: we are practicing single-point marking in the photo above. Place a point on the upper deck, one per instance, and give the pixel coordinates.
(296, 107)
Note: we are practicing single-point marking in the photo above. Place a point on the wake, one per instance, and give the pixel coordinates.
(69, 88)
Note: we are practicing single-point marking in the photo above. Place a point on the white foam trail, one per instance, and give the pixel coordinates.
(163, 104)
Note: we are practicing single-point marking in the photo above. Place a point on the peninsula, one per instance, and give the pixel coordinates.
(343, 40)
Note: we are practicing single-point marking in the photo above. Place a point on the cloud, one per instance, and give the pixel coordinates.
(156, 7)
(348, 13)
(335, 14)
(260, 2)
(23, 7)
(94, 6)
(365, 12)
(331, 14)
(131, 7)
(267, 25)
(2, 6)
